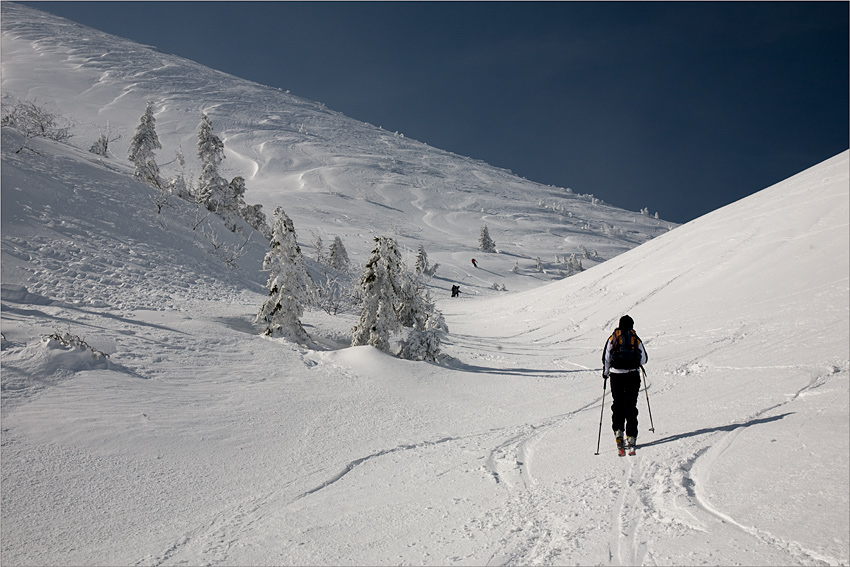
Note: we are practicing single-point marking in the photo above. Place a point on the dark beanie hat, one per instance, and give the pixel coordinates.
(626, 323)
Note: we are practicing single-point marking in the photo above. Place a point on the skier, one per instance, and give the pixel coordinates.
(622, 358)
(474, 263)
(455, 290)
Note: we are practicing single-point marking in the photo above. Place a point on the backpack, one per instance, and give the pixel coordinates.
(625, 350)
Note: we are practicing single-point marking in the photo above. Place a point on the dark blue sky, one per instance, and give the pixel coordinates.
(682, 107)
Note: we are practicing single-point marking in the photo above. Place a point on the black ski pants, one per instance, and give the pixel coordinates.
(624, 413)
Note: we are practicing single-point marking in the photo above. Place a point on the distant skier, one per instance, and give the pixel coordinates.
(474, 263)
(622, 358)
(455, 290)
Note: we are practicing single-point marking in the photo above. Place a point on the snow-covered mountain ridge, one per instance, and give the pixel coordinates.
(316, 163)
(199, 441)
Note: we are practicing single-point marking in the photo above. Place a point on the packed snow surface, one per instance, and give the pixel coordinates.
(197, 440)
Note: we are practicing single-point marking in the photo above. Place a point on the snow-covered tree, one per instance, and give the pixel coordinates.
(393, 299)
(381, 286)
(142, 147)
(236, 193)
(574, 265)
(426, 323)
(421, 261)
(338, 256)
(213, 190)
(225, 199)
(288, 283)
(485, 243)
(422, 266)
(101, 146)
(319, 246)
(255, 217)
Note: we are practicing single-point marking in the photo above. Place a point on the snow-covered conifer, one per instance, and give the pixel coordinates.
(574, 265)
(236, 193)
(381, 286)
(213, 189)
(422, 266)
(255, 217)
(421, 261)
(319, 246)
(338, 256)
(485, 243)
(423, 341)
(392, 299)
(288, 283)
(142, 147)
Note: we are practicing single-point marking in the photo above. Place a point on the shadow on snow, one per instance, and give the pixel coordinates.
(707, 430)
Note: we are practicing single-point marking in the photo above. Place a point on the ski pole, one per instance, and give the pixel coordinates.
(602, 413)
(646, 391)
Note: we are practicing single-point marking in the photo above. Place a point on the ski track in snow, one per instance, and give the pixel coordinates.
(649, 495)
(700, 466)
(353, 464)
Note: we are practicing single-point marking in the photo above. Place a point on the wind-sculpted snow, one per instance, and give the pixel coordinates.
(199, 441)
(318, 164)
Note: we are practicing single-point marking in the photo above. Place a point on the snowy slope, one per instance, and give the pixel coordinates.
(316, 163)
(198, 441)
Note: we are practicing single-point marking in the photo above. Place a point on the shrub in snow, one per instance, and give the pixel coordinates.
(178, 186)
(485, 243)
(142, 147)
(101, 146)
(334, 291)
(34, 121)
(68, 341)
(288, 283)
